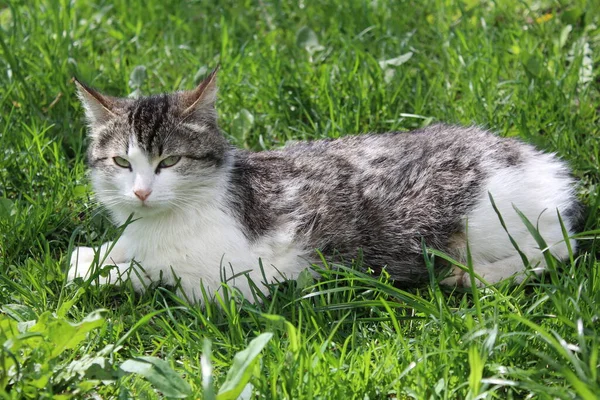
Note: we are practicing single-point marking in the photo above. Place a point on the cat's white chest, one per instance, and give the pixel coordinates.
(197, 241)
(205, 247)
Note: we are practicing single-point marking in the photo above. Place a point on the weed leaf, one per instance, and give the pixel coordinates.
(6, 208)
(397, 61)
(308, 40)
(138, 77)
(243, 122)
(241, 370)
(160, 374)
(63, 334)
(19, 312)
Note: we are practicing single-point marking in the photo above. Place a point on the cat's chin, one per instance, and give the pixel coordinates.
(146, 210)
(151, 210)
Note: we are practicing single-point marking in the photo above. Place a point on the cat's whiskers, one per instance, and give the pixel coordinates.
(184, 204)
(179, 206)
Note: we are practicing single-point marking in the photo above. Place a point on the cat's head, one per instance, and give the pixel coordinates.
(154, 154)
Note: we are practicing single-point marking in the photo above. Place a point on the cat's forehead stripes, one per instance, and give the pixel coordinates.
(147, 117)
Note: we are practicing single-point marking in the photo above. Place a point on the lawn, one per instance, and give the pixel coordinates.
(296, 70)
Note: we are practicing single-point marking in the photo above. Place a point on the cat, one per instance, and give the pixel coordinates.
(200, 207)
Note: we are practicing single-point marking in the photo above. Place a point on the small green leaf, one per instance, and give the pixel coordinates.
(515, 49)
(80, 191)
(138, 77)
(308, 40)
(63, 334)
(100, 369)
(117, 34)
(6, 18)
(388, 65)
(160, 374)
(241, 370)
(7, 208)
(439, 387)
(533, 64)
(8, 329)
(397, 61)
(564, 35)
(305, 279)
(243, 121)
(66, 306)
(273, 317)
(19, 312)
(90, 367)
(388, 75)
(571, 16)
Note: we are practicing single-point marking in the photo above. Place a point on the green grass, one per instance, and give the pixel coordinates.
(523, 68)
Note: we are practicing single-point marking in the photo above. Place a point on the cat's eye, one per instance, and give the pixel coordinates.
(121, 162)
(169, 161)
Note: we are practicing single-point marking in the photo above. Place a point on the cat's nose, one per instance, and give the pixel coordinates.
(142, 194)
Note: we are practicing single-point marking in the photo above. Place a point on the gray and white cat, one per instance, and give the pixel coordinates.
(200, 205)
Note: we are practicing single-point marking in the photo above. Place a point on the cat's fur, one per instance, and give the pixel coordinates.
(222, 209)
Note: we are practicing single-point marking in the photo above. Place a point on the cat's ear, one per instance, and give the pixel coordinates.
(202, 99)
(99, 108)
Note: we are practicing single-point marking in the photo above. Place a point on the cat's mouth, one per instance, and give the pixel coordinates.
(149, 207)
(145, 210)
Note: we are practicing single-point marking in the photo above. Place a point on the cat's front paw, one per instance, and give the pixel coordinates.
(80, 263)
(84, 260)
(462, 278)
